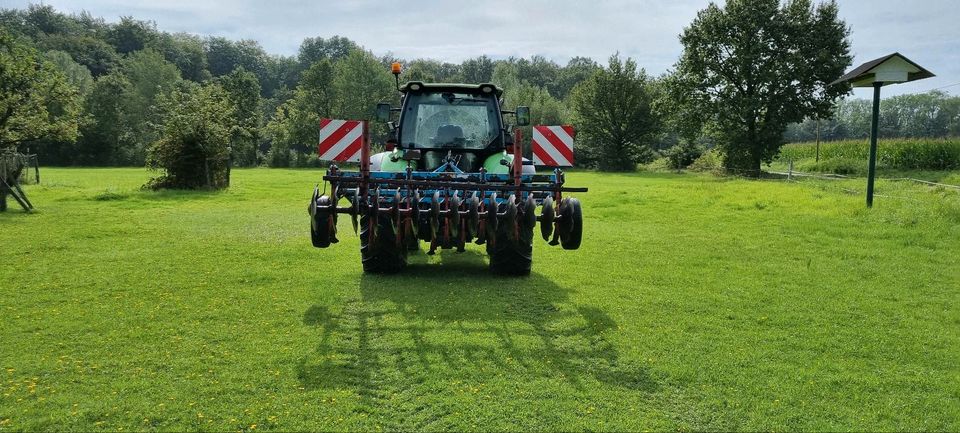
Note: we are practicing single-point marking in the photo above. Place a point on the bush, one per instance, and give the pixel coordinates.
(278, 157)
(682, 155)
(710, 160)
(194, 146)
(659, 164)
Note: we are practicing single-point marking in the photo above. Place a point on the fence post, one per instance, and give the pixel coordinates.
(790, 171)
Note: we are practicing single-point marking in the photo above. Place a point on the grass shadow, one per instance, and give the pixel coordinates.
(453, 320)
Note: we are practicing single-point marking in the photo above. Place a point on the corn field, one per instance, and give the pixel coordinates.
(897, 153)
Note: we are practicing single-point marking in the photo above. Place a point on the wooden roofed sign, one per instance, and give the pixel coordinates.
(890, 69)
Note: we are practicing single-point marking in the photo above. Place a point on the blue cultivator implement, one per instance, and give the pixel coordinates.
(450, 176)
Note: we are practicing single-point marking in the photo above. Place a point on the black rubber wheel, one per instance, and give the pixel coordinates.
(383, 255)
(571, 239)
(322, 224)
(510, 256)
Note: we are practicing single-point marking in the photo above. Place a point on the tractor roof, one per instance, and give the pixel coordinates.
(451, 87)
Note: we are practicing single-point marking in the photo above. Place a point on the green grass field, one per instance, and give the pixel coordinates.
(695, 303)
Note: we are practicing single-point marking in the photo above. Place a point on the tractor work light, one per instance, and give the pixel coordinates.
(486, 89)
(395, 68)
(415, 87)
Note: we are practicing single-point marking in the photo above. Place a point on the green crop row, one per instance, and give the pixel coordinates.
(898, 153)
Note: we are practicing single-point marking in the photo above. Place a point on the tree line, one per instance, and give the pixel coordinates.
(927, 115)
(751, 75)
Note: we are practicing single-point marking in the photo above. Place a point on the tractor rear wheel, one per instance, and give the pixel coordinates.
(383, 255)
(509, 256)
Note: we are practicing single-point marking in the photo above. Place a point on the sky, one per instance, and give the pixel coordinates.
(926, 31)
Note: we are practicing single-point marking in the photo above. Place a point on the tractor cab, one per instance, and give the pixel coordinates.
(452, 125)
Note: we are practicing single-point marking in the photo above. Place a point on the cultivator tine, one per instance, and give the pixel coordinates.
(395, 219)
(415, 214)
(355, 213)
(434, 221)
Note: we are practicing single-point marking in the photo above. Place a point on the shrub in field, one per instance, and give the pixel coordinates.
(904, 153)
(709, 161)
(682, 155)
(194, 146)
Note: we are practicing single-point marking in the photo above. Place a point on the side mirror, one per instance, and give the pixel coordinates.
(523, 116)
(383, 112)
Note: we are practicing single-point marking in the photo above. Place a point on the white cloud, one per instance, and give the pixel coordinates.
(646, 30)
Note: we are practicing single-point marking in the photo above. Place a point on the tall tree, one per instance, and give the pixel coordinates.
(752, 67)
(242, 92)
(477, 70)
(614, 116)
(76, 74)
(150, 76)
(131, 35)
(313, 50)
(108, 130)
(185, 51)
(36, 101)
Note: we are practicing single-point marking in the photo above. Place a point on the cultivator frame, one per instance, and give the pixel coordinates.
(452, 206)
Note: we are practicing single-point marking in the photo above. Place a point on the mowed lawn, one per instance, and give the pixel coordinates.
(695, 303)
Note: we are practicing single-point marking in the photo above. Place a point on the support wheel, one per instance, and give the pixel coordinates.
(322, 223)
(570, 238)
(379, 250)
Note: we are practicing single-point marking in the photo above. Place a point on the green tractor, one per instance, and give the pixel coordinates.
(452, 174)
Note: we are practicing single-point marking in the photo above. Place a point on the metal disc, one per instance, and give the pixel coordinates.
(547, 215)
(510, 218)
(529, 212)
(454, 217)
(473, 215)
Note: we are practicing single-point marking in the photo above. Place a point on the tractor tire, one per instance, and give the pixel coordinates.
(571, 240)
(510, 256)
(383, 255)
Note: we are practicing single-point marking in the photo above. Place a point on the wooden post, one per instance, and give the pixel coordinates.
(790, 171)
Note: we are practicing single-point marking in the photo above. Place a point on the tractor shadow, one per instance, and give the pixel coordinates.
(456, 321)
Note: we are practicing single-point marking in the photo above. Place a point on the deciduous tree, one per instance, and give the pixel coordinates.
(36, 101)
(751, 67)
(614, 117)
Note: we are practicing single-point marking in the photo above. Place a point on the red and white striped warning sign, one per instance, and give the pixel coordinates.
(553, 145)
(340, 140)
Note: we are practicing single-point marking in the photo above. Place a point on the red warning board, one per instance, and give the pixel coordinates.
(553, 145)
(340, 140)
